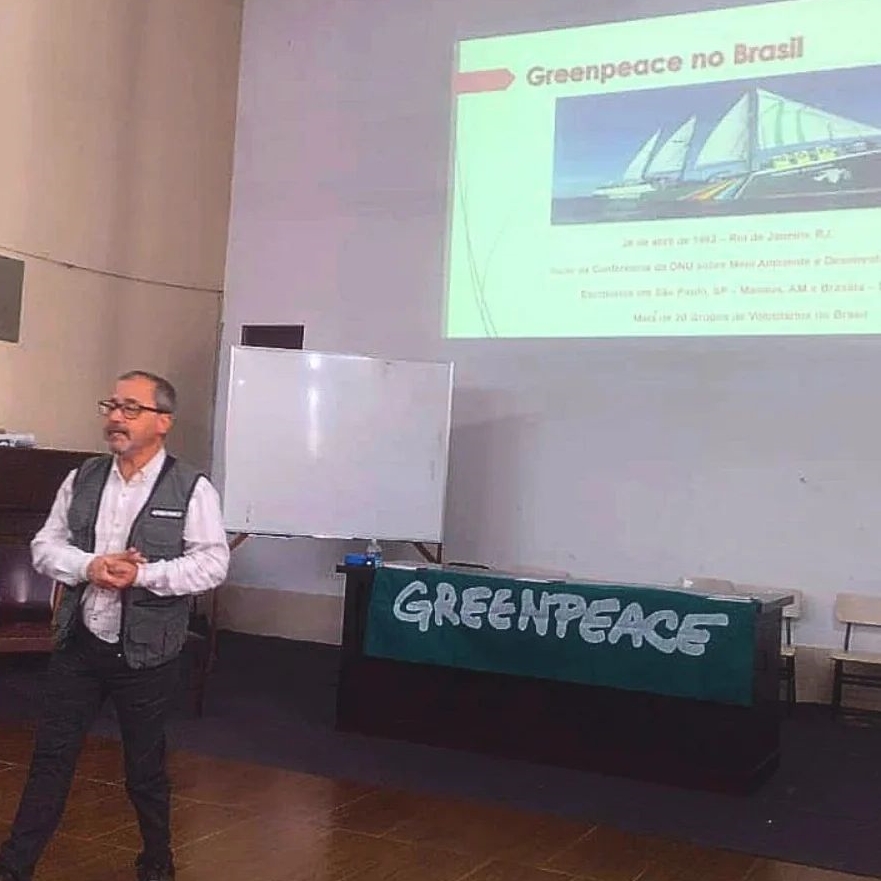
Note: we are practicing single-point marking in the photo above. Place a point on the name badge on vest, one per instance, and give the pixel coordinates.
(166, 513)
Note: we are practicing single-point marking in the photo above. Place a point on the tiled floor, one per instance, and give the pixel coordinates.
(234, 821)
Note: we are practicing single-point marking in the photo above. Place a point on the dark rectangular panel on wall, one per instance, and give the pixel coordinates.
(273, 336)
(11, 282)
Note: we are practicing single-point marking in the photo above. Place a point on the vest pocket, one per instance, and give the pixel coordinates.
(156, 629)
(159, 539)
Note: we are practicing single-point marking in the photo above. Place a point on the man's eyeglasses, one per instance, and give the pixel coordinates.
(128, 409)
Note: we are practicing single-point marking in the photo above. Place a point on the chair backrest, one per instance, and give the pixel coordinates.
(24, 593)
(795, 608)
(855, 608)
(706, 584)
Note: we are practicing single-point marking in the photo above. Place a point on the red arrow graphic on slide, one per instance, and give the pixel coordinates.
(495, 80)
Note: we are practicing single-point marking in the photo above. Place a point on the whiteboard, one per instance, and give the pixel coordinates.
(336, 446)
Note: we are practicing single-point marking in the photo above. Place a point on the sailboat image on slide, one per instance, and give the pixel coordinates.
(650, 169)
(766, 140)
(764, 146)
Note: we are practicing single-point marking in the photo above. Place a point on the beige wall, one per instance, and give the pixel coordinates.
(118, 121)
(311, 617)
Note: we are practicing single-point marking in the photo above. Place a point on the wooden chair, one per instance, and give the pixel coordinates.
(791, 613)
(855, 610)
(26, 603)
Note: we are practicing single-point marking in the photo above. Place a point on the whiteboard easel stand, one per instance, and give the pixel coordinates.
(436, 557)
(233, 543)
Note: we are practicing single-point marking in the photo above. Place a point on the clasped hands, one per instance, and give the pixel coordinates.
(115, 571)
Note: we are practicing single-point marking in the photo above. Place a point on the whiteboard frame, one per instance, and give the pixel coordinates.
(234, 526)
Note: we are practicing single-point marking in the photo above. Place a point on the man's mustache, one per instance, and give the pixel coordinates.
(113, 429)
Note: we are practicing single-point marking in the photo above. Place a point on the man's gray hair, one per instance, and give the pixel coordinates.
(166, 396)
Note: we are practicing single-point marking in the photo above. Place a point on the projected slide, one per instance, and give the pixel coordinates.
(716, 173)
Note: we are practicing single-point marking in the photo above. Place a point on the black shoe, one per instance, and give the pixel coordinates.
(152, 872)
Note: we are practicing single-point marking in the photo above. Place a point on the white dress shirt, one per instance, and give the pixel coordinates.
(203, 565)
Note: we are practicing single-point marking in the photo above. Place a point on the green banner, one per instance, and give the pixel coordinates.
(622, 636)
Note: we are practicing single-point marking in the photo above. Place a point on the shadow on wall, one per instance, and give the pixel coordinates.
(486, 498)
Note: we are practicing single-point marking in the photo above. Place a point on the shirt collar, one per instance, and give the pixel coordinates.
(149, 471)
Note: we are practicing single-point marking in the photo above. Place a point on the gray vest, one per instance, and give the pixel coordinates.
(154, 628)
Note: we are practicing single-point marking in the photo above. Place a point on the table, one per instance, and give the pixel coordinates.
(710, 735)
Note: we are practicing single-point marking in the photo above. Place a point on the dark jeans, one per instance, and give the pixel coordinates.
(79, 679)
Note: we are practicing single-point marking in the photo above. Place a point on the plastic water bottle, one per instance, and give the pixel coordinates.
(374, 553)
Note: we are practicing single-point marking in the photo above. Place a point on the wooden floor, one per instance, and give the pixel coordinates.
(237, 821)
